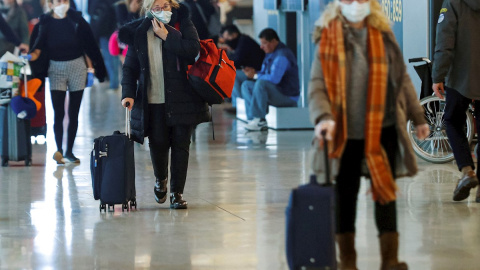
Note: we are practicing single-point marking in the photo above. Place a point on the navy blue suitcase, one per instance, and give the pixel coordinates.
(15, 142)
(112, 166)
(310, 225)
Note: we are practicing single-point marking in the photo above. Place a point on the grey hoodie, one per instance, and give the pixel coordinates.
(457, 51)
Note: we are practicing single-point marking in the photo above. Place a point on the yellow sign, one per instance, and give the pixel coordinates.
(393, 9)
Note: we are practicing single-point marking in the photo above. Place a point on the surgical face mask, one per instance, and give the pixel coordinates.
(163, 16)
(355, 12)
(61, 10)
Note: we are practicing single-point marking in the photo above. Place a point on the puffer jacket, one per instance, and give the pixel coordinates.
(183, 106)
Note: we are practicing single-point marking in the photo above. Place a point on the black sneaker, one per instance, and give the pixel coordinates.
(70, 158)
(160, 190)
(177, 201)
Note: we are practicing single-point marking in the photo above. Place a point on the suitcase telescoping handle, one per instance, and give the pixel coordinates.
(325, 153)
(128, 131)
(25, 78)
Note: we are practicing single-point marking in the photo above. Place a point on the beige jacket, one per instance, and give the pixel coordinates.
(407, 104)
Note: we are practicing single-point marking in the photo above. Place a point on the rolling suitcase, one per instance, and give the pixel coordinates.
(15, 142)
(112, 167)
(310, 224)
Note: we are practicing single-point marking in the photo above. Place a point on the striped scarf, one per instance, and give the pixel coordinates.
(333, 59)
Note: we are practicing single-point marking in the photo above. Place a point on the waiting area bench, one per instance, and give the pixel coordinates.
(280, 118)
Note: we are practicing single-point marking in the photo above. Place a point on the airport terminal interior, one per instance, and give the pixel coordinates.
(238, 187)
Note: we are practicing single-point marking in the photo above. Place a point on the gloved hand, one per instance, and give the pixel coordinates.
(90, 77)
(27, 57)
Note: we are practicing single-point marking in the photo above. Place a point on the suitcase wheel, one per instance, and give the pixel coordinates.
(125, 206)
(28, 162)
(133, 203)
(103, 207)
(113, 208)
(4, 162)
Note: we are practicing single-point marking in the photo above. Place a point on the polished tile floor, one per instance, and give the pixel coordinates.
(237, 189)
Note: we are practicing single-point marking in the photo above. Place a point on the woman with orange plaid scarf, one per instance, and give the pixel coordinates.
(361, 95)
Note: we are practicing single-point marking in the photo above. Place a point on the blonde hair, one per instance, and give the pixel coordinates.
(376, 19)
(147, 5)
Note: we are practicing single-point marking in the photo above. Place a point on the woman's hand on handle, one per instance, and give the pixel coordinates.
(328, 126)
(128, 103)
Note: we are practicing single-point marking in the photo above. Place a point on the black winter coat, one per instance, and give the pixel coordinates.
(183, 105)
(84, 34)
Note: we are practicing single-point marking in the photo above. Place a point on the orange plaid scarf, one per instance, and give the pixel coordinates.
(333, 59)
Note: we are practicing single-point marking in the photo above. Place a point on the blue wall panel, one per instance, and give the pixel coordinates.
(394, 11)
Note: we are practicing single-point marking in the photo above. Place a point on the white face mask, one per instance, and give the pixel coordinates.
(355, 12)
(163, 16)
(61, 10)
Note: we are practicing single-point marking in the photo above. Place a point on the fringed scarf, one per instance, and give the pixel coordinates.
(333, 59)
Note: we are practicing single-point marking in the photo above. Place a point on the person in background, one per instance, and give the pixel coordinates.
(246, 53)
(155, 87)
(127, 11)
(200, 12)
(360, 94)
(103, 25)
(16, 18)
(456, 69)
(276, 84)
(63, 49)
(33, 8)
(10, 36)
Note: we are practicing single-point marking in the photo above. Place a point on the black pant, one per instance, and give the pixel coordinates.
(74, 102)
(455, 119)
(162, 138)
(348, 185)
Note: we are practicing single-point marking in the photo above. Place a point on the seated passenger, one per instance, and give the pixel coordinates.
(245, 52)
(277, 84)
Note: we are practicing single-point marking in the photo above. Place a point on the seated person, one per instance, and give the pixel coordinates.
(276, 84)
(245, 52)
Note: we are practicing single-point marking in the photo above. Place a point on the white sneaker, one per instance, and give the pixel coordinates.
(256, 125)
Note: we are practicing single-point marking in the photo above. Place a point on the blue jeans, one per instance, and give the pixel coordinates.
(237, 87)
(111, 63)
(455, 119)
(260, 94)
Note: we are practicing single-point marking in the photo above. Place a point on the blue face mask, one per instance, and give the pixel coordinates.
(162, 16)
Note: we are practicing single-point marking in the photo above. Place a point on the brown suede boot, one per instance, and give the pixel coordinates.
(348, 255)
(389, 252)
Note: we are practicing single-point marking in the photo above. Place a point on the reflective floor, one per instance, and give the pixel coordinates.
(237, 189)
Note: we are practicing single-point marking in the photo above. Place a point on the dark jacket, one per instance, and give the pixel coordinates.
(122, 14)
(200, 22)
(84, 34)
(8, 33)
(457, 57)
(102, 18)
(280, 68)
(183, 105)
(247, 53)
(17, 20)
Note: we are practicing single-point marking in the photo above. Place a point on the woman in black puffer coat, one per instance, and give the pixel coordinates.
(155, 87)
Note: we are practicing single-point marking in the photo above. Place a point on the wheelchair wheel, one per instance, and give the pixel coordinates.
(436, 148)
